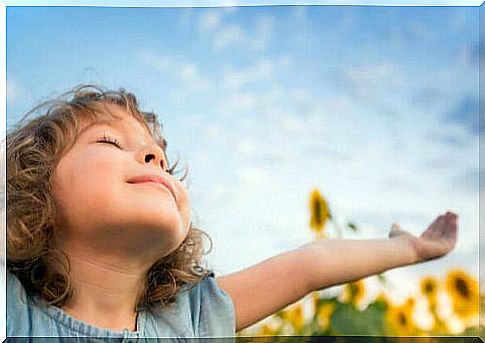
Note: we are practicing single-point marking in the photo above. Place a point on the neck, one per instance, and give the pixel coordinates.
(105, 290)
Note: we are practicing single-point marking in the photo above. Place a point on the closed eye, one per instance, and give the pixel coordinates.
(110, 140)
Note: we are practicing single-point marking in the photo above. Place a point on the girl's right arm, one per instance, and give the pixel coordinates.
(269, 286)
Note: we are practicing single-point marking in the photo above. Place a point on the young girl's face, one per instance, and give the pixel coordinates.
(107, 203)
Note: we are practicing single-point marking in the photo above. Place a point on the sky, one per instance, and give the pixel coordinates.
(226, 3)
(375, 106)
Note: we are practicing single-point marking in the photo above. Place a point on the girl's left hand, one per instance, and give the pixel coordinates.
(438, 240)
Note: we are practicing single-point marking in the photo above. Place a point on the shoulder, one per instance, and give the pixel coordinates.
(18, 307)
(215, 308)
(16, 294)
(201, 309)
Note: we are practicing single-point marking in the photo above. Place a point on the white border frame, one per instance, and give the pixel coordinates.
(148, 3)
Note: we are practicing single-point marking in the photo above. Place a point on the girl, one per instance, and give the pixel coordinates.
(100, 241)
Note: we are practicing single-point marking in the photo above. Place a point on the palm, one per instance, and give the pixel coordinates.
(438, 239)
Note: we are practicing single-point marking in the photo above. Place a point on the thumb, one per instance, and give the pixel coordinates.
(396, 231)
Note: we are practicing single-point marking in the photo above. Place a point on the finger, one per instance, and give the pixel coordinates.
(451, 214)
(440, 228)
(449, 233)
(394, 230)
(438, 221)
(448, 230)
(437, 227)
(454, 231)
(451, 217)
(430, 231)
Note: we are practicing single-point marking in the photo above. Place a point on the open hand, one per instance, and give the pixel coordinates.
(438, 239)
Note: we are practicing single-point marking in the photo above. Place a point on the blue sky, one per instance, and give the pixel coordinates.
(375, 106)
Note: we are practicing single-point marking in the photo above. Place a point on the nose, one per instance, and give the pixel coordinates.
(152, 154)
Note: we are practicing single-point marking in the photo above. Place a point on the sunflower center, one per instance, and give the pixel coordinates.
(402, 319)
(317, 210)
(462, 287)
(429, 287)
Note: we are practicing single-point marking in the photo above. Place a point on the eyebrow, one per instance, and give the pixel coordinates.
(95, 123)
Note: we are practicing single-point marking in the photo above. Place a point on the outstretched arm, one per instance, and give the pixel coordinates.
(269, 286)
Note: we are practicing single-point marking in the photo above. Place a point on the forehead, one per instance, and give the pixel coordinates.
(117, 117)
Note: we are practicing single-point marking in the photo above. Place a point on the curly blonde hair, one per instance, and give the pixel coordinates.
(33, 151)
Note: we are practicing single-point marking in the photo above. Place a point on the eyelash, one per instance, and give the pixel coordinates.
(110, 140)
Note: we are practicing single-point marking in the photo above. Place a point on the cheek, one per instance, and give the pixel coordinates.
(183, 202)
(86, 179)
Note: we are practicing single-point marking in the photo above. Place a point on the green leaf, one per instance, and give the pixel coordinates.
(382, 278)
(352, 226)
(471, 331)
(347, 320)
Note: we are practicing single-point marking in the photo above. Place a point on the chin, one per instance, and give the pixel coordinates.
(178, 233)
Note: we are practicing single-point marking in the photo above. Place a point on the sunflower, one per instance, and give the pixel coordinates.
(464, 293)
(400, 319)
(440, 327)
(324, 314)
(410, 302)
(429, 287)
(354, 292)
(319, 213)
(268, 330)
(383, 299)
(316, 301)
(294, 316)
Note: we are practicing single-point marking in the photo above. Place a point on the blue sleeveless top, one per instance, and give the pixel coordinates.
(202, 311)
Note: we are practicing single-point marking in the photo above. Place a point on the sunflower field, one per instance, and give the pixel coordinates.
(449, 301)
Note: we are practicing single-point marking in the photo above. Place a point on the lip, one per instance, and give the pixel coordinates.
(155, 179)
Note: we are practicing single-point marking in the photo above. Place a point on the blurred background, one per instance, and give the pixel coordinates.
(374, 107)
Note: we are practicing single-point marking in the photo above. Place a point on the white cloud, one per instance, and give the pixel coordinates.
(235, 79)
(161, 63)
(228, 35)
(291, 124)
(263, 34)
(202, 158)
(13, 90)
(251, 176)
(186, 72)
(232, 35)
(369, 80)
(263, 69)
(246, 146)
(192, 121)
(374, 74)
(238, 102)
(217, 191)
(214, 131)
(285, 61)
(209, 21)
